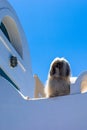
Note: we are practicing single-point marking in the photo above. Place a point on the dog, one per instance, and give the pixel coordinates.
(58, 83)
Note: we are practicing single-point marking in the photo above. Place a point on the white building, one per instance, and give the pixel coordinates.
(18, 109)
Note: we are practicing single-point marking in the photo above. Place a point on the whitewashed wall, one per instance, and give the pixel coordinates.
(22, 74)
(61, 113)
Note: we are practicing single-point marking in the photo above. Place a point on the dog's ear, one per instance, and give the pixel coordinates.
(52, 71)
(67, 69)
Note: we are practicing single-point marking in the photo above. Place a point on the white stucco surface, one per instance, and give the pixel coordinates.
(63, 113)
(22, 74)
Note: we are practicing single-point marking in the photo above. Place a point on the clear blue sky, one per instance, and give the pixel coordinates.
(54, 28)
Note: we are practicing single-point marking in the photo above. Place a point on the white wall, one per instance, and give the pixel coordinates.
(62, 113)
(22, 74)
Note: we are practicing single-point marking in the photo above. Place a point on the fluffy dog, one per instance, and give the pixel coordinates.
(58, 83)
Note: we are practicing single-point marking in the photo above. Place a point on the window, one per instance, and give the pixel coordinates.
(10, 30)
(4, 30)
(3, 74)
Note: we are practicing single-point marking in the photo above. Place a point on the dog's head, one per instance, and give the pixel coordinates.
(60, 68)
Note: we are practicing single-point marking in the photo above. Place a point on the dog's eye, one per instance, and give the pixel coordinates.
(59, 65)
(56, 65)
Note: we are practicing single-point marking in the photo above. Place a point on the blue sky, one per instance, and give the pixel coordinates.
(54, 28)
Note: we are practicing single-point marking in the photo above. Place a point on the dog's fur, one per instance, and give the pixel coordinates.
(58, 83)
